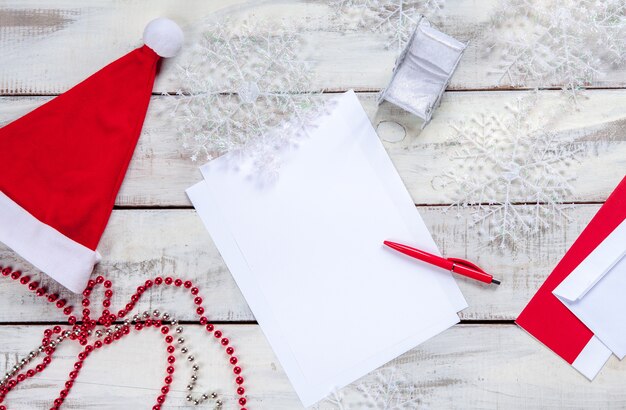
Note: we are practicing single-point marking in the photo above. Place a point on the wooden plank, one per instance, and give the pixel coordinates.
(468, 366)
(38, 39)
(141, 244)
(161, 169)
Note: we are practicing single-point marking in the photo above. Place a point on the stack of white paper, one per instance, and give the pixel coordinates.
(307, 252)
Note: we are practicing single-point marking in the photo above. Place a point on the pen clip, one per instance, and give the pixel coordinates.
(466, 264)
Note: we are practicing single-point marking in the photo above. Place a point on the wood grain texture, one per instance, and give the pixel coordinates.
(161, 169)
(49, 46)
(141, 244)
(466, 367)
(42, 37)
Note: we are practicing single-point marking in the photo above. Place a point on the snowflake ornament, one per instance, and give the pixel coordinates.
(558, 42)
(501, 162)
(387, 388)
(395, 18)
(245, 90)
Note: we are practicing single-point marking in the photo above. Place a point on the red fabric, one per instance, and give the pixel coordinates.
(545, 317)
(65, 161)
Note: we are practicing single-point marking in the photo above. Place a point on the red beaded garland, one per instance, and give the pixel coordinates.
(82, 332)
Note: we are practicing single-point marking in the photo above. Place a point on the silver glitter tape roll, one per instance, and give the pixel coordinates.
(423, 71)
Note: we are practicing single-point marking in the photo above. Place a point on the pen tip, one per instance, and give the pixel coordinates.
(496, 281)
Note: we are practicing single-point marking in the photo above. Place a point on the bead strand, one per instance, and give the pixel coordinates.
(210, 328)
(82, 332)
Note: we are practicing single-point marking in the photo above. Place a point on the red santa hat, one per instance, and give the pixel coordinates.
(65, 161)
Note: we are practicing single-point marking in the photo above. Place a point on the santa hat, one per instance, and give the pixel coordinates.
(65, 161)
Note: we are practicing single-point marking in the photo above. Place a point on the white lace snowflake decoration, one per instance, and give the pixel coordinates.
(558, 42)
(245, 89)
(395, 18)
(513, 174)
(387, 388)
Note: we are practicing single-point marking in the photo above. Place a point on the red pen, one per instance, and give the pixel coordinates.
(460, 266)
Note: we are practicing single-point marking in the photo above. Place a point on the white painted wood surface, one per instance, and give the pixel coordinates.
(48, 46)
(161, 169)
(141, 244)
(94, 33)
(466, 367)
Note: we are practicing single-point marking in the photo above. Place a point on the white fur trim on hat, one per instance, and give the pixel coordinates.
(164, 37)
(63, 259)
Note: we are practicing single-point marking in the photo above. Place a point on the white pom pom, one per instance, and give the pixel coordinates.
(164, 37)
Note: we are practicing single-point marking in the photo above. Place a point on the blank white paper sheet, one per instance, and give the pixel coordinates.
(307, 253)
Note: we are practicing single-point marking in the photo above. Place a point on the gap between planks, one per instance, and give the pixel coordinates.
(361, 90)
(497, 322)
(421, 205)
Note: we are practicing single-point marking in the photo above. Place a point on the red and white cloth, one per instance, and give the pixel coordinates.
(65, 161)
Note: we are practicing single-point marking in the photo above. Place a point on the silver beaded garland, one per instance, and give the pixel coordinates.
(137, 318)
(33, 354)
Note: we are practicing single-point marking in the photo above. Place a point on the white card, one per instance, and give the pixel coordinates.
(307, 253)
(596, 291)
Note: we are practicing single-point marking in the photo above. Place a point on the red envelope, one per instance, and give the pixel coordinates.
(553, 324)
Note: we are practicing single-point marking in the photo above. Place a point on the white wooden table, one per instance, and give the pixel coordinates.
(484, 362)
